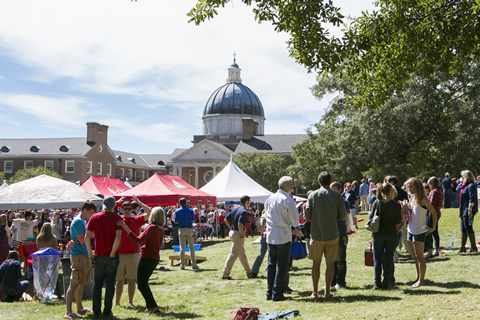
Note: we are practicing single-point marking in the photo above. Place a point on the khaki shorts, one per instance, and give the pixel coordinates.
(81, 270)
(127, 267)
(327, 248)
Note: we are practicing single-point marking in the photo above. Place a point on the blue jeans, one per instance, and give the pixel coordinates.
(277, 269)
(383, 250)
(105, 270)
(175, 239)
(13, 295)
(144, 271)
(261, 255)
(341, 265)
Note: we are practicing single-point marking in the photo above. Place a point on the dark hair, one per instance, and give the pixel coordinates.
(88, 205)
(244, 199)
(392, 179)
(135, 205)
(12, 255)
(28, 214)
(325, 178)
(127, 204)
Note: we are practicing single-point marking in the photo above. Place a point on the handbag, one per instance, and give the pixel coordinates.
(298, 250)
(247, 314)
(374, 224)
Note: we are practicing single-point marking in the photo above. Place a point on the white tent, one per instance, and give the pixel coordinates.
(44, 192)
(4, 185)
(232, 183)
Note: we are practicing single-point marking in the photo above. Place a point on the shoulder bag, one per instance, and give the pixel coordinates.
(374, 224)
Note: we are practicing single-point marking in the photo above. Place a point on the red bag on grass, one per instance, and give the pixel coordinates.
(247, 314)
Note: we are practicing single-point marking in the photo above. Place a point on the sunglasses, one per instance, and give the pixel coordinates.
(128, 208)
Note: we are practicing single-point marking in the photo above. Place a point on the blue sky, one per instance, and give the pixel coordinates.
(141, 69)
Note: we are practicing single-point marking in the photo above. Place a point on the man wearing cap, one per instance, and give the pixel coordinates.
(108, 234)
(236, 220)
(184, 218)
(447, 191)
(128, 250)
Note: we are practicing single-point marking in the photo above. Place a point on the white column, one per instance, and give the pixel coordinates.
(174, 171)
(196, 176)
(214, 171)
(179, 172)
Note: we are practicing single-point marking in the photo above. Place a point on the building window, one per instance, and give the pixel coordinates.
(49, 164)
(208, 176)
(89, 167)
(122, 173)
(69, 166)
(99, 169)
(8, 166)
(28, 164)
(109, 169)
(129, 173)
(143, 175)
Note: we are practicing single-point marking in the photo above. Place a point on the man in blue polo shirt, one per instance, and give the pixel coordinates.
(447, 191)
(236, 221)
(364, 191)
(352, 197)
(183, 218)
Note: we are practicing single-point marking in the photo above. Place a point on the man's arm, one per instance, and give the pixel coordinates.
(147, 209)
(241, 229)
(88, 244)
(116, 243)
(293, 214)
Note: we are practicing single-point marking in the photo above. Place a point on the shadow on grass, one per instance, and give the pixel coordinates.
(428, 292)
(305, 296)
(156, 283)
(455, 285)
(208, 243)
(181, 315)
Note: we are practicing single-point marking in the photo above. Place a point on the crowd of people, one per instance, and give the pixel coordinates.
(127, 236)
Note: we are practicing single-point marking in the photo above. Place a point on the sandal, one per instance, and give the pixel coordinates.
(131, 306)
(412, 282)
(416, 285)
(84, 311)
(72, 315)
(314, 295)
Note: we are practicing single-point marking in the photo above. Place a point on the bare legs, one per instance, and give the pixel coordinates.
(119, 291)
(329, 272)
(420, 264)
(74, 290)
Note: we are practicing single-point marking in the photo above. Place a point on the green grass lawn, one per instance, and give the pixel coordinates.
(451, 292)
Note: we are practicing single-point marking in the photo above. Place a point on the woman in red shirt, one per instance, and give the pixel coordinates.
(151, 240)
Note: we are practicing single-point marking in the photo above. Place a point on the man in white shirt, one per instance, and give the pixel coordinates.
(282, 215)
(24, 230)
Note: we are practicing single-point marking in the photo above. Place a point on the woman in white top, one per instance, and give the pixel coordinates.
(417, 226)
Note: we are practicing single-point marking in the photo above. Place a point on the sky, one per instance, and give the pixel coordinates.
(142, 69)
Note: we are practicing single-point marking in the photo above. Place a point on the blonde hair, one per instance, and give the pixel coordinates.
(157, 216)
(434, 183)
(46, 233)
(420, 192)
(467, 177)
(3, 218)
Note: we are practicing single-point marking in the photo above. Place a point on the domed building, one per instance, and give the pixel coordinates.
(229, 106)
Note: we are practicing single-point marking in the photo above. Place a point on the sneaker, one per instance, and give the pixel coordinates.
(252, 275)
(195, 267)
(72, 315)
(337, 287)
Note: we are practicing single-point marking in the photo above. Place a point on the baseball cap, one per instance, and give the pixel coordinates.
(108, 202)
(349, 185)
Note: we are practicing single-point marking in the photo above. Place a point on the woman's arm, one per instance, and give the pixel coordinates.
(372, 212)
(7, 230)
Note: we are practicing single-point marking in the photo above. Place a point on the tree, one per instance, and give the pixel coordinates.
(383, 50)
(2, 177)
(265, 169)
(429, 129)
(28, 173)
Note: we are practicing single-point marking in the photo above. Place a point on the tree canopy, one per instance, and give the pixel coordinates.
(383, 50)
(432, 127)
(28, 173)
(265, 169)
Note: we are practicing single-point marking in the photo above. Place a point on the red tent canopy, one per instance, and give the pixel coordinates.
(166, 190)
(103, 185)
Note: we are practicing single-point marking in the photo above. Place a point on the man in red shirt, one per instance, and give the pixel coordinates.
(103, 226)
(128, 250)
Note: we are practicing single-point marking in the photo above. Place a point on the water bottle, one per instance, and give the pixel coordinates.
(470, 220)
(453, 242)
